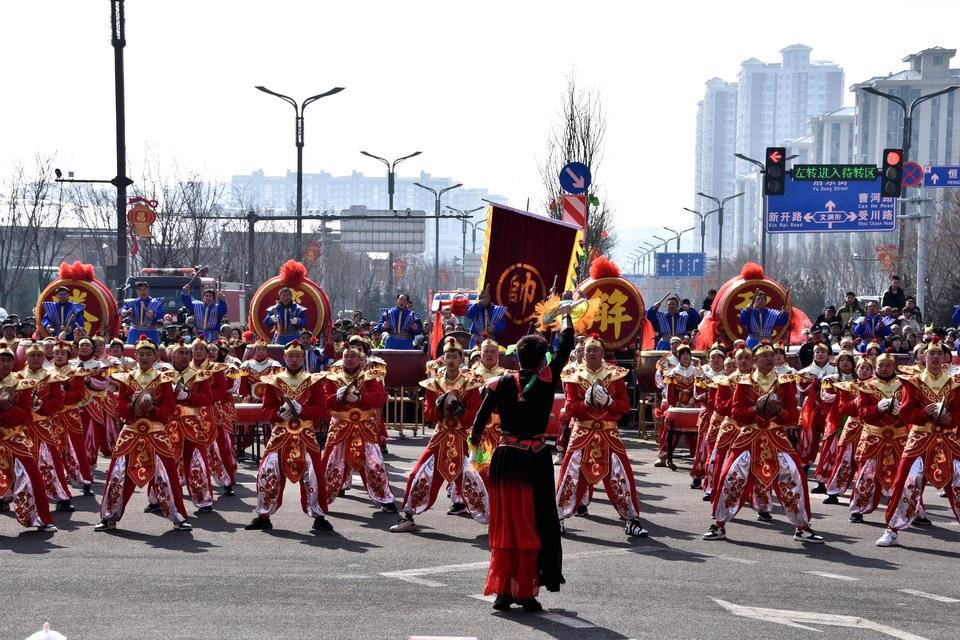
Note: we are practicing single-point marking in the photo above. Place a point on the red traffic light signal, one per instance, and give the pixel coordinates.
(774, 170)
(891, 173)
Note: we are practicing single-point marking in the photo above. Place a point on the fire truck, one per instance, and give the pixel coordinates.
(168, 284)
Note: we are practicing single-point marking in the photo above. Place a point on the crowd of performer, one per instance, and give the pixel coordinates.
(166, 419)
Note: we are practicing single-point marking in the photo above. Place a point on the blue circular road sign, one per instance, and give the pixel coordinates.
(575, 178)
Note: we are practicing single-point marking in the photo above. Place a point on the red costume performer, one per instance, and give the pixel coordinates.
(353, 395)
(706, 394)
(98, 411)
(20, 479)
(292, 400)
(144, 453)
(763, 403)
(596, 397)
(931, 406)
(832, 399)
(69, 420)
(451, 401)
(846, 463)
(882, 438)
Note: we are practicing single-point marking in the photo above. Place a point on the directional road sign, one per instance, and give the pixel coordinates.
(680, 265)
(912, 174)
(831, 207)
(575, 178)
(941, 177)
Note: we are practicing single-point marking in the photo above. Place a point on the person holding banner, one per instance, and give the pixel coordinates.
(208, 314)
(60, 318)
(675, 322)
(286, 317)
(487, 318)
(144, 313)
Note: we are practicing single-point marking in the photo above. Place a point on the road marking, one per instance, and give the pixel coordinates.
(931, 596)
(729, 558)
(795, 618)
(480, 596)
(835, 576)
(416, 576)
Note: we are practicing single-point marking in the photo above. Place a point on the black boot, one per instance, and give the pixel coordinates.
(88, 490)
(321, 524)
(503, 602)
(259, 523)
(228, 490)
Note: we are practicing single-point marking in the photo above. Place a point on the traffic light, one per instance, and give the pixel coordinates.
(773, 173)
(891, 176)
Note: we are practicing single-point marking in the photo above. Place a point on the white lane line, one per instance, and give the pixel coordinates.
(727, 558)
(931, 596)
(835, 576)
(480, 596)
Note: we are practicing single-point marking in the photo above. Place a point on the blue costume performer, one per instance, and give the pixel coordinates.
(286, 317)
(760, 322)
(144, 314)
(486, 318)
(872, 327)
(207, 314)
(401, 324)
(672, 323)
(62, 315)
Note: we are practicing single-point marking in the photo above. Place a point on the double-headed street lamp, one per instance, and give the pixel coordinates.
(390, 170)
(703, 226)
(720, 204)
(299, 137)
(464, 215)
(652, 252)
(906, 143)
(437, 195)
(679, 233)
(763, 206)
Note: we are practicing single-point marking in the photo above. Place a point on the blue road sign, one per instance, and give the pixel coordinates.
(941, 177)
(830, 207)
(680, 265)
(575, 178)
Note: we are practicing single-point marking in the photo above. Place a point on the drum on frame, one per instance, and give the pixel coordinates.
(679, 420)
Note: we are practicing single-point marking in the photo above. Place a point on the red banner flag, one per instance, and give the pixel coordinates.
(522, 254)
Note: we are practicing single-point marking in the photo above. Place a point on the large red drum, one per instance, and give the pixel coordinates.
(647, 370)
(307, 294)
(737, 294)
(405, 367)
(620, 310)
(100, 313)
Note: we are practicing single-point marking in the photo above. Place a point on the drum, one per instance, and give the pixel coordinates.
(647, 370)
(274, 352)
(405, 367)
(556, 415)
(679, 420)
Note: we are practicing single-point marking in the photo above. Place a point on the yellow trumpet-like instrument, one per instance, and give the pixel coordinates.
(582, 311)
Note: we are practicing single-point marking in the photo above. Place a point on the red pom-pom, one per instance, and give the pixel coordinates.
(595, 336)
(485, 335)
(295, 343)
(76, 271)
(247, 336)
(934, 340)
(181, 341)
(751, 271)
(765, 343)
(314, 340)
(602, 267)
(889, 349)
(97, 333)
(292, 273)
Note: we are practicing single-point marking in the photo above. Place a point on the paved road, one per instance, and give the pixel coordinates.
(147, 581)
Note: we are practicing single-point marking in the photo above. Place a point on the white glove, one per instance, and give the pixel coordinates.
(564, 307)
(285, 414)
(884, 405)
(896, 408)
(341, 392)
(297, 406)
(353, 397)
(294, 321)
(182, 395)
(37, 403)
(274, 319)
(600, 397)
(588, 397)
(235, 387)
(97, 383)
(827, 397)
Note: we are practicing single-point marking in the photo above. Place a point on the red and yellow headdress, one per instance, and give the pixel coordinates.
(594, 340)
(145, 343)
(763, 347)
(887, 355)
(293, 347)
(180, 345)
(34, 347)
(451, 344)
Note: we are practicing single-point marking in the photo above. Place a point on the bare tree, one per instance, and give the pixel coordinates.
(578, 136)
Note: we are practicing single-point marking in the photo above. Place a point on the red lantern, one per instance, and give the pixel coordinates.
(399, 270)
(142, 215)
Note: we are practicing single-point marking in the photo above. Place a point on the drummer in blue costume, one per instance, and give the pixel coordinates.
(400, 323)
(760, 322)
(208, 315)
(286, 317)
(487, 318)
(62, 316)
(144, 313)
(675, 322)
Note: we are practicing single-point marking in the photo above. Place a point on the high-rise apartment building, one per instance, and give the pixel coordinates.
(716, 135)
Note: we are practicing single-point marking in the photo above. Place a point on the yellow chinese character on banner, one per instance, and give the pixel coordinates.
(611, 311)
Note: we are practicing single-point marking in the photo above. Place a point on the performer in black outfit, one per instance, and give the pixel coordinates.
(524, 527)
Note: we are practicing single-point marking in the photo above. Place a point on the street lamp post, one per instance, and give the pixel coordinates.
(391, 176)
(679, 233)
(906, 143)
(299, 139)
(720, 204)
(436, 257)
(651, 254)
(464, 215)
(703, 226)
